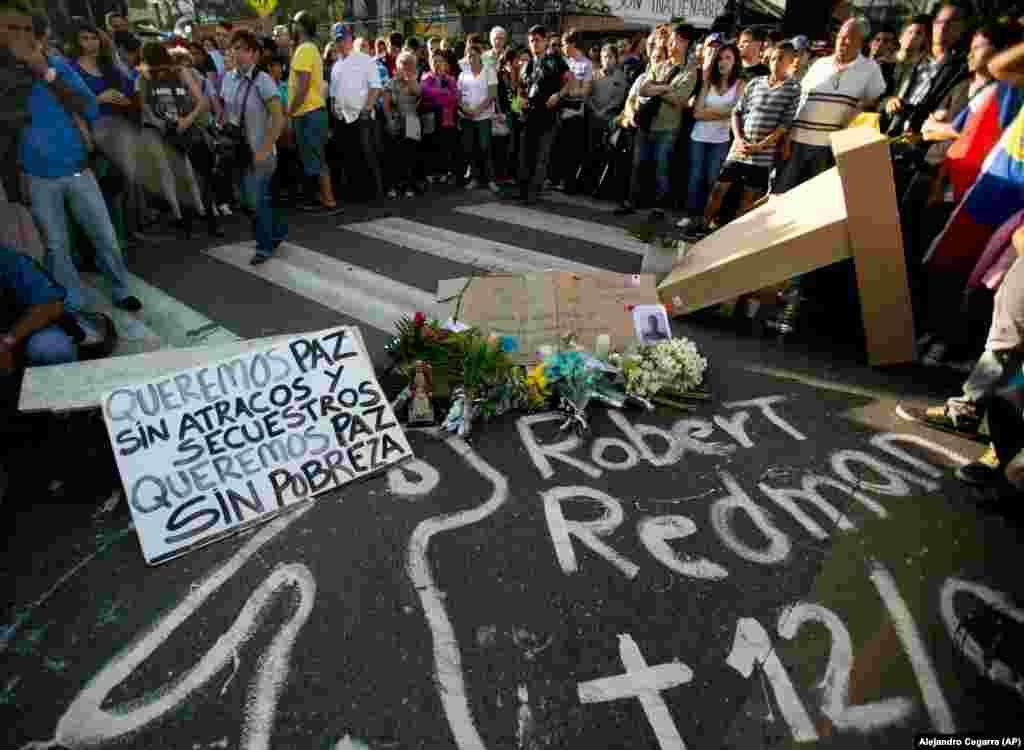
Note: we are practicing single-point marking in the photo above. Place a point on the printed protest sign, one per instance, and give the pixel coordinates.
(207, 451)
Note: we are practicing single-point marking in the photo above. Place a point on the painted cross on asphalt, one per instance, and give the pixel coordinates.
(646, 684)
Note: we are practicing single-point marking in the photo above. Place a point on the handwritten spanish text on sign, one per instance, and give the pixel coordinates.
(207, 451)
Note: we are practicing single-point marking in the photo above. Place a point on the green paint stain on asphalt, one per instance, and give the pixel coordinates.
(110, 612)
(30, 642)
(7, 694)
(186, 712)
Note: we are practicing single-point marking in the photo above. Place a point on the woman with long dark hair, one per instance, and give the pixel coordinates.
(93, 60)
(709, 140)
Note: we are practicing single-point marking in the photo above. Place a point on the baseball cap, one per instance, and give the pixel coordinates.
(800, 43)
(341, 32)
(714, 38)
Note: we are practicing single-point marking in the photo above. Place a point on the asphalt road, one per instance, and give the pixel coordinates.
(808, 574)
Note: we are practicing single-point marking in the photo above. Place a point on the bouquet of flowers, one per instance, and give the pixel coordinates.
(664, 371)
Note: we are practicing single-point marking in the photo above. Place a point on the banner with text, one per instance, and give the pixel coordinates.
(208, 451)
(699, 13)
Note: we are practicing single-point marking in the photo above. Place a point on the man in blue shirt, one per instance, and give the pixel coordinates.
(31, 305)
(55, 158)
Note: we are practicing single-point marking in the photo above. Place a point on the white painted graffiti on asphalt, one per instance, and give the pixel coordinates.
(88, 723)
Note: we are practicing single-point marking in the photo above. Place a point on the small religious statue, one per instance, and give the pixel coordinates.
(421, 410)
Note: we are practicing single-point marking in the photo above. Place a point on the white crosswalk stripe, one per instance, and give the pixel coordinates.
(471, 250)
(563, 226)
(375, 300)
(163, 322)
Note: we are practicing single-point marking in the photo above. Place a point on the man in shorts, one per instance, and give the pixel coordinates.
(308, 112)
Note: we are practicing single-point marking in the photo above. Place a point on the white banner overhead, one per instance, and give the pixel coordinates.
(699, 13)
(206, 452)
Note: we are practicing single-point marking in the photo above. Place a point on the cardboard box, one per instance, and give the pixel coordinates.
(541, 308)
(846, 212)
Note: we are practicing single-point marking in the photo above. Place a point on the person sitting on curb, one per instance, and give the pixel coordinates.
(31, 309)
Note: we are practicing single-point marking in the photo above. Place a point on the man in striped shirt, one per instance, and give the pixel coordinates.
(835, 90)
(760, 121)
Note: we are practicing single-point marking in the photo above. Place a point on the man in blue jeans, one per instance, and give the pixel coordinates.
(54, 156)
(253, 97)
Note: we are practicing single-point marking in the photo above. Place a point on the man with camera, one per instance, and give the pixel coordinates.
(254, 119)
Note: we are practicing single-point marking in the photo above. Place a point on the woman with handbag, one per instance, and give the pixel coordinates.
(172, 101)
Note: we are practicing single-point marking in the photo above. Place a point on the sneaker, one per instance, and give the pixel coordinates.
(935, 355)
(942, 418)
(493, 186)
(392, 193)
(225, 209)
(687, 222)
(410, 193)
(979, 474)
(214, 209)
(100, 335)
(131, 304)
(473, 185)
(787, 320)
(957, 418)
(989, 457)
(451, 179)
(431, 179)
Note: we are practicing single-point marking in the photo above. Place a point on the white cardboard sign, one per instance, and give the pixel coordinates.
(208, 451)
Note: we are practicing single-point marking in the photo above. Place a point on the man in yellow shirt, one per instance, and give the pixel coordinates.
(307, 109)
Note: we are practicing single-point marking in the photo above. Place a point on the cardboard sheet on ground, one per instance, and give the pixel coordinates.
(207, 451)
(849, 211)
(541, 308)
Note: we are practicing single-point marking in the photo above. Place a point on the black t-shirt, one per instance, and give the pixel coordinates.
(541, 80)
(754, 71)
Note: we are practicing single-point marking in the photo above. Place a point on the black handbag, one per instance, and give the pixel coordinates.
(241, 152)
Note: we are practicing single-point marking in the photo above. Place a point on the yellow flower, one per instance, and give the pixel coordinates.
(538, 390)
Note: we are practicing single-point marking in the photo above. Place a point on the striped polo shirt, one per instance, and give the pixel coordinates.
(832, 98)
(763, 110)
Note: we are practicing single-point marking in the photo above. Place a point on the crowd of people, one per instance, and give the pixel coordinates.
(102, 136)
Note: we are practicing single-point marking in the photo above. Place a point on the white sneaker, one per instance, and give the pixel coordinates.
(686, 222)
(493, 186)
(225, 209)
(392, 193)
(473, 185)
(410, 194)
(214, 209)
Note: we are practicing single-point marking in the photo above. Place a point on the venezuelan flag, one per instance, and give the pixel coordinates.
(993, 198)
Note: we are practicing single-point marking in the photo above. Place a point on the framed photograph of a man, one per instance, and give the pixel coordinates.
(651, 324)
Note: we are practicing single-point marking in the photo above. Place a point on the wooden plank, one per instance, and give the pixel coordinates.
(81, 385)
(790, 234)
(876, 243)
